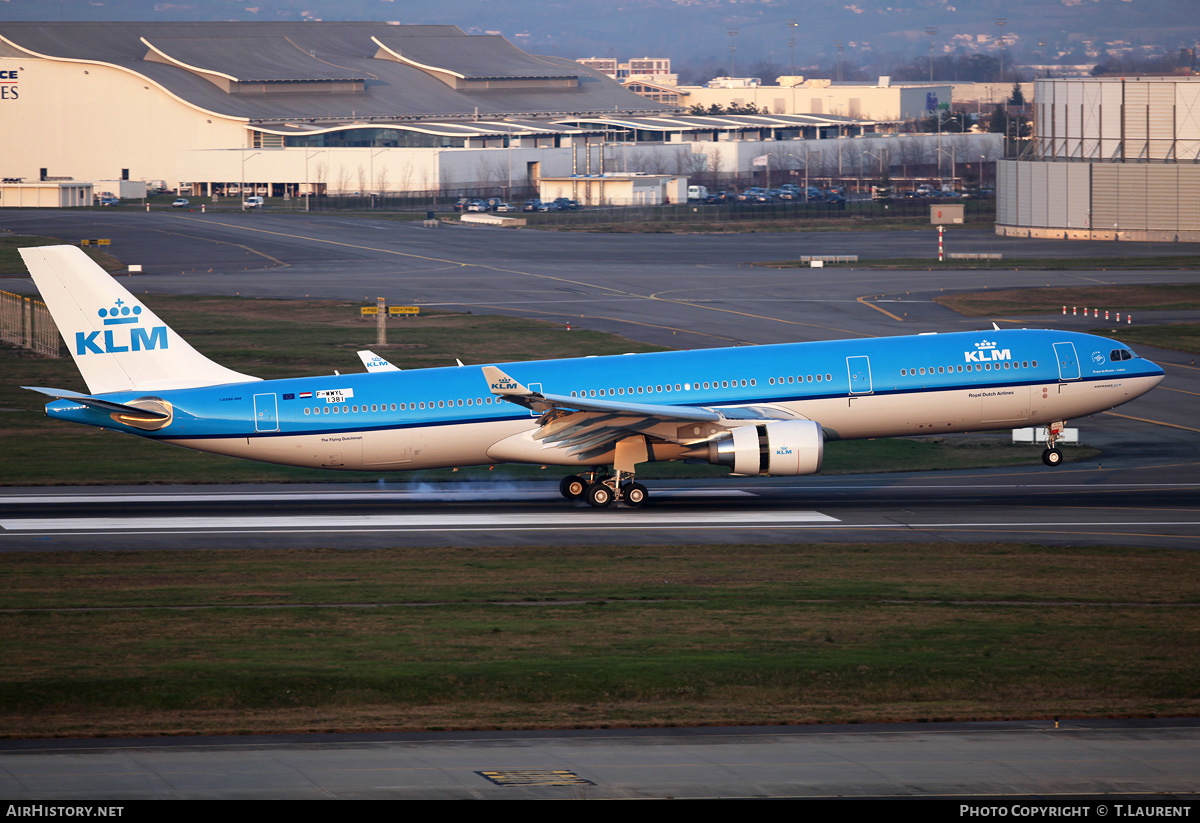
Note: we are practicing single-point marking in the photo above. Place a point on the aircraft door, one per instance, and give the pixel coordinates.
(266, 413)
(859, 369)
(1068, 362)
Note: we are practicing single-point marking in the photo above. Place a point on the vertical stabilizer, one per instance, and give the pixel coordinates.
(118, 343)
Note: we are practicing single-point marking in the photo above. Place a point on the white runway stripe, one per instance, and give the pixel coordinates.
(568, 519)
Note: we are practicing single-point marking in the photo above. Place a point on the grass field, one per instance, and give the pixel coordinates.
(1138, 298)
(507, 637)
(1179, 297)
(11, 263)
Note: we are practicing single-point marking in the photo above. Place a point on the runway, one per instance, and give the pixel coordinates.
(1147, 763)
(1147, 506)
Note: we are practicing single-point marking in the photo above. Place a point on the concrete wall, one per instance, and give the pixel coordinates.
(45, 195)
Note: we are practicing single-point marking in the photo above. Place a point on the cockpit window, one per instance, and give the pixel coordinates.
(1120, 354)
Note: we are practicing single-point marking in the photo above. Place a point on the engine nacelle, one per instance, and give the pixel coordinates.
(780, 447)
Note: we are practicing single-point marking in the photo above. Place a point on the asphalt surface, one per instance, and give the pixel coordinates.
(1143, 765)
(684, 291)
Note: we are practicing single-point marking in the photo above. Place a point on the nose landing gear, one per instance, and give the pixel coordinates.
(1053, 455)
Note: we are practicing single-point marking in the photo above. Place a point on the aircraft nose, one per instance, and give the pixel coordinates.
(1156, 372)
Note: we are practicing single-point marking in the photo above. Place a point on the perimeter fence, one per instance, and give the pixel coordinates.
(27, 323)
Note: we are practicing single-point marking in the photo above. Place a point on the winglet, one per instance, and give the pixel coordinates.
(501, 384)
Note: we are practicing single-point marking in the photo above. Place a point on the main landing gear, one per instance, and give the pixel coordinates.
(601, 490)
(1053, 455)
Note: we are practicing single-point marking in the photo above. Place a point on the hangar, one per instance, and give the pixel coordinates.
(1112, 158)
(288, 109)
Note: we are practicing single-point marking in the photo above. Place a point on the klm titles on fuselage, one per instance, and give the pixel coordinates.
(986, 352)
(138, 339)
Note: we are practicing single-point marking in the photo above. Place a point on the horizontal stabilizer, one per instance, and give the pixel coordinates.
(97, 402)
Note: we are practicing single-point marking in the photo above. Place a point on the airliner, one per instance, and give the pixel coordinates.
(759, 410)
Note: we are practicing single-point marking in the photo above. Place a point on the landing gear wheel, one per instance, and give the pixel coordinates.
(573, 487)
(599, 495)
(634, 495)
(1052, 457)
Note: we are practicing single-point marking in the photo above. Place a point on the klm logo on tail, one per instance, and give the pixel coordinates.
(118, 340)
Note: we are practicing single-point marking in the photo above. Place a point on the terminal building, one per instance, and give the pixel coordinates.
(294, 109)
(1112, 158)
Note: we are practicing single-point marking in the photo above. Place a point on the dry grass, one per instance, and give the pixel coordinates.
(1047, 300)
(512, 637)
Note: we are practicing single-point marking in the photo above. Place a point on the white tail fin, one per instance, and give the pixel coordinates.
(118, 344)
(374, 362)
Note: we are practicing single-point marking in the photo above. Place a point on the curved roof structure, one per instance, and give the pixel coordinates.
(314, 75)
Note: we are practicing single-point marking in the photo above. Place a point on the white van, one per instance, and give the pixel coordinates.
(697, 192)
(252, 202)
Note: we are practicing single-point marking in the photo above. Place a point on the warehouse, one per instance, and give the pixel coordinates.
(288, 109)
(1111, 159)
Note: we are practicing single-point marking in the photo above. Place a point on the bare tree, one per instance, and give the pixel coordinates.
(343, 180)
(362, 180)
(381, 179)
(406, 176)
(714, 158)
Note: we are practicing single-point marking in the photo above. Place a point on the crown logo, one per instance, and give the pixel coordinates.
(985, 345)
(120, 314)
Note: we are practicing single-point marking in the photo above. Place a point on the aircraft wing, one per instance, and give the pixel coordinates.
(590, 425)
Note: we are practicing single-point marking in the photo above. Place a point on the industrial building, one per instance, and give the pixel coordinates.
(297, 109)
(883, 101)
(1112, 158)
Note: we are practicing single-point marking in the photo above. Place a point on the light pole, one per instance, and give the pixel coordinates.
(805, 162)
(372, 172)
(878, 157)
(949, 151)
(242, 185)
(307, 182)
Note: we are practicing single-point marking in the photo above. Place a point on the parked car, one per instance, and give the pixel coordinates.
(505, 207)
(531, 205)
(461, 203)
(566, 204)
(254, 202)
(181, 202)
(109, 201)
(476, 205)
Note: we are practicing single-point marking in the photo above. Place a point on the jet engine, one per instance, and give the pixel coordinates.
(779, 447)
